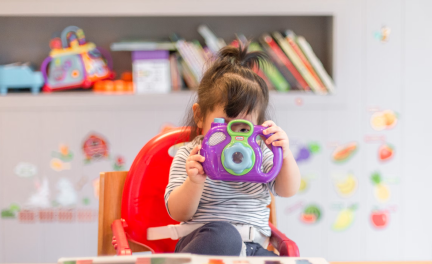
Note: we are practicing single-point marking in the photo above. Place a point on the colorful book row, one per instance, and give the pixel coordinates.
(294, 65)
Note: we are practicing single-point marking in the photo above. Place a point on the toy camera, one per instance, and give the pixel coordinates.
(235, 155)
(74, 63)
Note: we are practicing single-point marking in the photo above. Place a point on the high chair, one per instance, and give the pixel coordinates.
(131, 202)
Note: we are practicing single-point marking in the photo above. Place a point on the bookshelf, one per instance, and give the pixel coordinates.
(31, 44)
(332, 27)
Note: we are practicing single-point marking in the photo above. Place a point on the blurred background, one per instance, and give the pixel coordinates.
(350, 85)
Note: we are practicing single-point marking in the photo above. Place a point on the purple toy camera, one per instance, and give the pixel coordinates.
(235, 155)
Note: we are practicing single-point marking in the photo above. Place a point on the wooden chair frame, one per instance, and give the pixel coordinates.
(110, 197)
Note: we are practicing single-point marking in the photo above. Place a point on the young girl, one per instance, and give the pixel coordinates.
(222, 217)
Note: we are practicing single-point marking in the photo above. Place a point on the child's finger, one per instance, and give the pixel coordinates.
(196, 165)
(274, 137)
(192, 172)
(279, 143)
(268, 123)
(195, 150)
(196, 157)
(272, 129)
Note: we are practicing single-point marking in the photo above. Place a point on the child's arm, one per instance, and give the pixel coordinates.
(183, 200)
(288, 180)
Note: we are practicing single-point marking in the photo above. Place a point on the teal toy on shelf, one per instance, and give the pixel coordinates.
(19, 76)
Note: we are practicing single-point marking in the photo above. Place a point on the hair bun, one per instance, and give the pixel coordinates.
(240, 55)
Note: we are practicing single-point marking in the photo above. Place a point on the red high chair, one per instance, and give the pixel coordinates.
(141, 191)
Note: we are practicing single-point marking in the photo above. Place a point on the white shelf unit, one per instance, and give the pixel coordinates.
(172, 8)
(79, 101)
(342, 57)
(339, 117)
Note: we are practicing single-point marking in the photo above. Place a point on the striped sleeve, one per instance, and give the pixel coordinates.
(267, 165)
(178, 172)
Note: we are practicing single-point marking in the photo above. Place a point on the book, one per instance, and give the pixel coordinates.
(151, 71)
(316, 63)
(291, 38)
(175, 73)
(179, 67)
(208, 55)
(213, 43)
(200, 54)
(298, 63)
(283, 64)
(256, 69)
(286, 62)
(274, 76)
(261, 74)
(188, 76)
(133, 45)
(192, 57)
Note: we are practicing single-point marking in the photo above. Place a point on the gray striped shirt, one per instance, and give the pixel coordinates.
(234, 202)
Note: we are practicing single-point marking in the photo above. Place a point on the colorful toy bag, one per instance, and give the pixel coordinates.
(236, 156)
(75, 63)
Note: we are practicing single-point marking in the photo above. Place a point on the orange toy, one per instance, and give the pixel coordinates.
(123, 86)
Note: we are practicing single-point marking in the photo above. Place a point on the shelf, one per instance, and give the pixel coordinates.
(331, 26)
(26, 39)
(88, 101)
(165, 8)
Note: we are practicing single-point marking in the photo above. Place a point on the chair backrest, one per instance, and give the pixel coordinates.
(143, 204)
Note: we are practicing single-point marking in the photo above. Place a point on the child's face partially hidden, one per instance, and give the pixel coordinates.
(218, 112)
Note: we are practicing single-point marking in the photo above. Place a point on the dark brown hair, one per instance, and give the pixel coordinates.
(231, 82)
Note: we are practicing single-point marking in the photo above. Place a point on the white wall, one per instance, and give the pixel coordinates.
(417, 54)
(369, 75)
(394, 76)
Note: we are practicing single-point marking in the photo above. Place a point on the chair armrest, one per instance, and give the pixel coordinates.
(282, 243)
(119, 240)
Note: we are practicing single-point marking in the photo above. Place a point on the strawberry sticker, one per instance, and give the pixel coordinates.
(385, 152)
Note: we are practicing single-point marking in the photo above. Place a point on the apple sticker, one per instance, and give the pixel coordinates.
(379, 218)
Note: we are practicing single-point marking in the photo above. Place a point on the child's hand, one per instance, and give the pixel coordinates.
(194, 168)
(279, 138)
